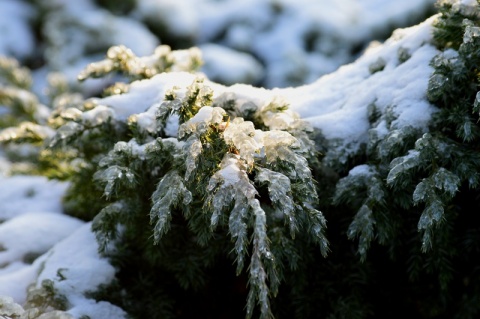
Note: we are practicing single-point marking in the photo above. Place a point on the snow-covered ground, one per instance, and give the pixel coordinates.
(38, 241)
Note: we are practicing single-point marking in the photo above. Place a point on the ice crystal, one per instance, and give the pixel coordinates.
(279, 190)
(231, 183)
(363, 227)
(66, 133)
(240, 134)
(402, 164)
(471, 34)
(169, 194)
(476, 103)
(193, 148)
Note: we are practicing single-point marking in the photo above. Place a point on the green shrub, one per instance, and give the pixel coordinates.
(204, 199)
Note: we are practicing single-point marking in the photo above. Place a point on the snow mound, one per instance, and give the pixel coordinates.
(24, 238)
(76, 268)
(23, 194)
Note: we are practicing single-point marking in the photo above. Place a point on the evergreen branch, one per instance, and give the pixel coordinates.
(11, 73)
(169, 194)
(258, 274)
(280, 194)
(123, 60)
(363, 227)
(26, 132)
(105, 224)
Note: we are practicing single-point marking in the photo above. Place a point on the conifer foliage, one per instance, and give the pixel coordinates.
(219, 176)
(429, 179)
(200, 181)
(234, 170)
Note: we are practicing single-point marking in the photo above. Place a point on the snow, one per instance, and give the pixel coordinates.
(363, 169)
(143, 94)
(468, 2)
(203, 115)
(98, 115)
(83, 270)
(229, 66)
(23, 194)
(28, 236)
(336, 103)
(14, 25)
(179, 16)
(281, 33)
(34, 226)
(78, 33)
(230, 172)
(15, 282)
(132, 34)
(252, 41)
(293, 42)
(30, 207)
(43, 229)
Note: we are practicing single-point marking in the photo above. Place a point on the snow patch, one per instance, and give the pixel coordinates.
(33, 233)
(23, 194)
(82, 270)
(228, 66)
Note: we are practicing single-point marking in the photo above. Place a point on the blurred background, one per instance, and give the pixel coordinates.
(269, 43)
